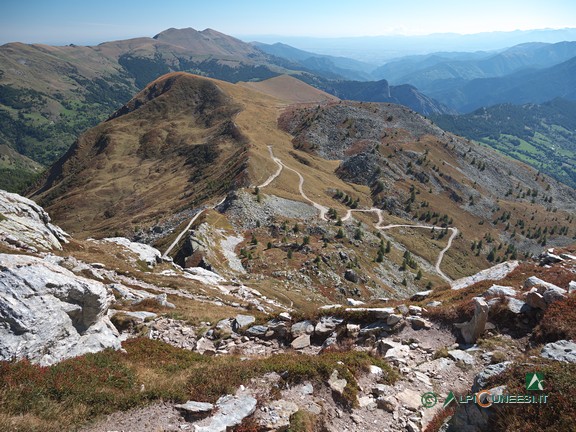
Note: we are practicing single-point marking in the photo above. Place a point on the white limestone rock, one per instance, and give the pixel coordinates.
(231, 410)
(301, 342)
(496, 272)
(48, 313)
(26, 225)
(474, 328)
(151, 256)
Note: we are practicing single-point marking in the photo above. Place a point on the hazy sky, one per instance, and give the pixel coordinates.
(90, 22)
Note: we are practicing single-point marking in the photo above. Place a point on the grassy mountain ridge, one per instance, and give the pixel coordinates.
(162, 143)
(49, 95)
(542, 135)
(187, 142)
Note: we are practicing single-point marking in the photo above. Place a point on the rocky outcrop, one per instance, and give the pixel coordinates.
(25, 225)
(563, 350)
(231, 411)
(542, 293)
(497, 272)
(47, 313)
(474, 328)
(145, 253)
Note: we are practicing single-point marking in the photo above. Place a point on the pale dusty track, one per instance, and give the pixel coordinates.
(323, 210)
(277, 173)
(185, 230)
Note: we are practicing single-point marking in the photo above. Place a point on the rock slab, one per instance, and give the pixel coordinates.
(231, 411)
(48, 314)
(26, 225)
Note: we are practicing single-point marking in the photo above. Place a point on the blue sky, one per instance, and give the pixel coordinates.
(90, 22)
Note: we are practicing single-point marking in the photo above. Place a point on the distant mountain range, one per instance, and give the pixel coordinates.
(434, 70)
(463, 81)
(535, 86)
(379, 49)
(341, 67)
(49, 95)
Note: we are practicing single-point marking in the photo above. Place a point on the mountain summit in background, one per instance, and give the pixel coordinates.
(48, 95)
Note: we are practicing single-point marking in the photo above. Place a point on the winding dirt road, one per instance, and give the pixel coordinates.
(323, 210)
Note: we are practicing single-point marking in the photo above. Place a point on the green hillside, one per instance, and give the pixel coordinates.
(543, 136)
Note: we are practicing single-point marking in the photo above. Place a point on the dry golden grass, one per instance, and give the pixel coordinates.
(290, 90)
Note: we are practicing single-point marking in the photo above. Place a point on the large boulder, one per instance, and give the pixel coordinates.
(474, 328)
(327, 325)
(26, 225)
(47, 313)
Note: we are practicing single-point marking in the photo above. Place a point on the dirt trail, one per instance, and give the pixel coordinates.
(323, 210)
(184, 231)
(277, 173)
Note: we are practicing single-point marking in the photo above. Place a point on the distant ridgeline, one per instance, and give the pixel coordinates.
(50, 95)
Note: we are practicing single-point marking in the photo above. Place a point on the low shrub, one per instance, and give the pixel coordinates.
(70, 393)
(557, 414)
(557, 322)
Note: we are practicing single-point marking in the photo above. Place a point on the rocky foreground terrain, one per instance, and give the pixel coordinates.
(230, 261)
(111, 334)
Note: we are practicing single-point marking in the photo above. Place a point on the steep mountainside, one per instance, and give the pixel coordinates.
(49, 95)
(418, 172)
(543, 136)
(173, 145)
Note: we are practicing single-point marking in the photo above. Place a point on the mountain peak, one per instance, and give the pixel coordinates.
(171, 32)
(205, 42)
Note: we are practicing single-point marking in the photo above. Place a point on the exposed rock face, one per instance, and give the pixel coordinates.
(496, 272)
(48, 314)
(474, 328)
(25, 224)
(542, 293)
(148, 254)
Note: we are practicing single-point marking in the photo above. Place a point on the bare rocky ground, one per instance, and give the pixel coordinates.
(427, 356)
(379, 407)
